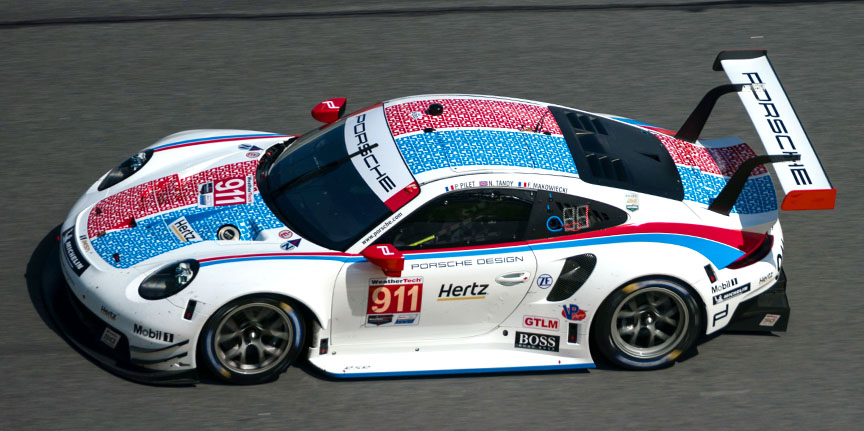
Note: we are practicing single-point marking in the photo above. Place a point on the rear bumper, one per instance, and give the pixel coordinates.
(769, 311)
(84, 330)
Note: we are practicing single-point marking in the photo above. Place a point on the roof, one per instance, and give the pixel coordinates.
(477, 133)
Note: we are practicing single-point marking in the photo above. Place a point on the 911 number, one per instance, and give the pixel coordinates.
(230, 191)
(402, 298)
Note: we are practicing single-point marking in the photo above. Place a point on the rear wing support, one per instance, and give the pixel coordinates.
(726, 199)
(804, 181)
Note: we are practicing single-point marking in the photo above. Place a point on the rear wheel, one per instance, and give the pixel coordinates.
(252, 340)
(647, 324)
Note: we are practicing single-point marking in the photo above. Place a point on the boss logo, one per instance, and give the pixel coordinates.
(528, 340)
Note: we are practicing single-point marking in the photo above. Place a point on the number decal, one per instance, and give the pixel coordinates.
(232, 191)
(407, 293)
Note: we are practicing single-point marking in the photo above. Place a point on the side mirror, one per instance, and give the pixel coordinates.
(329, 111)
(386, 257)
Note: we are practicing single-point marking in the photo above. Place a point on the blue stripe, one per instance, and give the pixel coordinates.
(171, 144)
(464, 371)
(635, 122)
(719, 254)
(472, 147)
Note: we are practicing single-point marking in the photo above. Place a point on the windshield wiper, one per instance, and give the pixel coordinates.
(329, 167)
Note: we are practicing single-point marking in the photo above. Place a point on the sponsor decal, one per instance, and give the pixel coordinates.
(378, 319)
(358, 367)
(73, 256)
(291, 244)
(183, 230)
(383, 227)
(572, 312)
(631, 202)
(407, 319)
(152, 334)
(205, 195)
(767, 278)
(285, 234)
(720, 315)
(457, 292)
(416, 115)
(769, 319)
(85, 244)
(110, 338)
(544, 281)
(725, 296)
(782, 136)
(539, 322)
(369, 159)
(717, 288)
(252, 155)
(249, 147)
(108, 313)
(394, 300)
(529, 340)
(468, 262)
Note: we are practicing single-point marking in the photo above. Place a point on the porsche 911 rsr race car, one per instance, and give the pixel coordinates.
(439, 234)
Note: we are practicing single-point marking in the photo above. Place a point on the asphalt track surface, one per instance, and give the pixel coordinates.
(82, 89)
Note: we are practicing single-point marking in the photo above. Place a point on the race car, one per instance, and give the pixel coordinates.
(439, 234)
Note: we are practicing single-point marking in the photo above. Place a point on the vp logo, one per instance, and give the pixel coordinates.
(572, 312)
(544, 281)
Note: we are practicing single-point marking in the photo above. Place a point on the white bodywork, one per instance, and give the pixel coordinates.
(440, 327)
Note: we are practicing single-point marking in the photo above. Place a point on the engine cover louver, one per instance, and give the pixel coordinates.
(573, 275)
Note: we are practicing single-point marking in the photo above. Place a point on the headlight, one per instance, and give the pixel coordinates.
(126, 169)
(169, 280)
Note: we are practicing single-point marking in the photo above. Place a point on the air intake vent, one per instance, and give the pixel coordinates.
(576, 271)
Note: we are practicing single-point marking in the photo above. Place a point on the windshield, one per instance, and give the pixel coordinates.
(316, 186)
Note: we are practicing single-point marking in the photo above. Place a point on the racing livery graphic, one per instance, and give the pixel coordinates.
(439, 234)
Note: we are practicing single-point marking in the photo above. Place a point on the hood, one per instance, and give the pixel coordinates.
(194, 190)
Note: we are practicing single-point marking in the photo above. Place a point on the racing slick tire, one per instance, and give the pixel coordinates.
(252, 340)
(647, 324)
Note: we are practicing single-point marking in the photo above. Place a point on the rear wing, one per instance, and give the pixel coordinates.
(804, 181)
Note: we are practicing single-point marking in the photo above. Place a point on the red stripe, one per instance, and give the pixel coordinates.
(221, 140)
(402, 197)
(479, 113)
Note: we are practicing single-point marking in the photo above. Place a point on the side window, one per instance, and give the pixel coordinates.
(465, 218)
(558, 214)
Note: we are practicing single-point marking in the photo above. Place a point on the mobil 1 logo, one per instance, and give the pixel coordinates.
(529, 340)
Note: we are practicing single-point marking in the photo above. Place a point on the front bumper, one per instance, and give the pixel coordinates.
(84, 330)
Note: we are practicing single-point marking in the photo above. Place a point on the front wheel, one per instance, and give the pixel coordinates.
(252, 340)
(647, 324)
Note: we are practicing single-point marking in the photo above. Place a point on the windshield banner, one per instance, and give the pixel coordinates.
(381, 167)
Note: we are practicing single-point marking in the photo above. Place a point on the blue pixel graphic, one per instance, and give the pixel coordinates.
(153, 237)
(451, 148)
(758, 195)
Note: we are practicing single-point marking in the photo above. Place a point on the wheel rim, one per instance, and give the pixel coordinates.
(650, 322)
(253, 338)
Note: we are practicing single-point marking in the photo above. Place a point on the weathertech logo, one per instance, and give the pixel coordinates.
(527, 340)
(153, 335)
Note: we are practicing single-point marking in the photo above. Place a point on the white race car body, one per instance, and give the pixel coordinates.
(502, 305)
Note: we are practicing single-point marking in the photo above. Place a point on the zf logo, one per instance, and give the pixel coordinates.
(544, 281)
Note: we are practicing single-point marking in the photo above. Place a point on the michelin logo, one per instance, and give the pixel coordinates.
(725, 296)
(184, 231)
